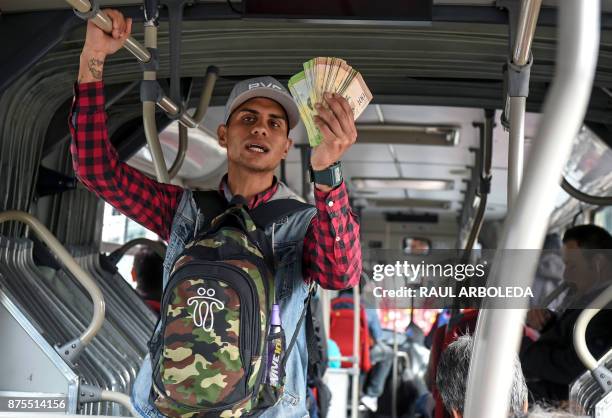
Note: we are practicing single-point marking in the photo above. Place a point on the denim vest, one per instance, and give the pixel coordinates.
(288, 238)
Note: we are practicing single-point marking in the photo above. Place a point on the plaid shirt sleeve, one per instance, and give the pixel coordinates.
(96, 163)
(332, 251)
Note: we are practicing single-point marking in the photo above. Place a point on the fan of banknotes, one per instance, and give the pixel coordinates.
(332, 75)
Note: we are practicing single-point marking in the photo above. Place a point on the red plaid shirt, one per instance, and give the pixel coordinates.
(332, 252)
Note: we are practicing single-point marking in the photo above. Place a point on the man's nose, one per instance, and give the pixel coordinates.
(259, 129)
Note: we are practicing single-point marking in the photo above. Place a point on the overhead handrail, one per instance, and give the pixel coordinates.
(209, 85)
(517, 74)
(151, 93)
(181, 151)
(584, 197)
(484, 183)
(498, 331)
(156, 246)
(133, 46)
(602, 375)
(71, 350)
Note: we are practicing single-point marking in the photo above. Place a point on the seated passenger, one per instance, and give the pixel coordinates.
(452, 379)
(550, 362)
(148, 271)
(381, 355)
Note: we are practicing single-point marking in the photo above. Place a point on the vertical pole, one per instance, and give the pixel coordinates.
(148, 112)
(498, 331)
(356, 354)
(305, 158)
(516, 147)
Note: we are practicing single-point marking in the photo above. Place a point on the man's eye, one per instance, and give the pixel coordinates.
(248, 119)
(275, 124)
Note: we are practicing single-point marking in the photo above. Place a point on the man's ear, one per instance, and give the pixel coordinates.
(287, 147)
(222, 135)
(134, 275)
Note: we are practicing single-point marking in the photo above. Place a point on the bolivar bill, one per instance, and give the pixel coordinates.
(327, 74)
(358, 95)
(299, 89)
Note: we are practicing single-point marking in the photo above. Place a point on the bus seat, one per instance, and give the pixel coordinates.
(341, 331)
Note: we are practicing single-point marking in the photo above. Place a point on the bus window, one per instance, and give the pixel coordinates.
(117, 229)
(603, 218)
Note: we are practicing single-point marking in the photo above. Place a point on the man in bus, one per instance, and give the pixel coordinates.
(452, 378)
(550, 362)
(259, 114)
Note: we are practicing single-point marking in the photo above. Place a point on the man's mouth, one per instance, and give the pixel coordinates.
(255, 147)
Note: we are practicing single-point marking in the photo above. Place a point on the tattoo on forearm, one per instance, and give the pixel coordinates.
(95, 68)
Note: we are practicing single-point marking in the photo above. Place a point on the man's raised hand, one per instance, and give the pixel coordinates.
(337, 126)
(99, 44)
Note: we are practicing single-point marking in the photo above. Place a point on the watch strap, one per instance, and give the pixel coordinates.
(331, 176)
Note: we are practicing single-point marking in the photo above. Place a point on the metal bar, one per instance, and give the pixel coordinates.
(57, 248)
(477, 226)
(516, 147)
(156, 246)
(581, 325)
(140, 52)
(325, 300)
(148, 112)
(515, 106)
(212, 73)
(181, 152)
(498, 331)
(583, 197)
(305, 159)
(486, 157)
(172, 109)
(356, 354)
(528, 19)
(394, 366)
(150, 128)
(104, 23)
(120, 398)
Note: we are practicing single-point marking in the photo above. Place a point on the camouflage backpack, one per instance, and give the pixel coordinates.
(210, 354)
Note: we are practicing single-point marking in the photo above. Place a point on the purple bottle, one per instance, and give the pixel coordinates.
(275, 348)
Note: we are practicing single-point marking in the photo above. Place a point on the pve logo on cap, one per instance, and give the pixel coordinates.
(265, 85)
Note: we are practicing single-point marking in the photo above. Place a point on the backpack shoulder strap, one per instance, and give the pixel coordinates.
(210, 203)
(271, 211)
(311, 291)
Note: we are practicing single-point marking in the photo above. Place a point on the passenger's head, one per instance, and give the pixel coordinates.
(417, 245)
(258, 116)
(586, 253)
(452, 379)
(148, 271)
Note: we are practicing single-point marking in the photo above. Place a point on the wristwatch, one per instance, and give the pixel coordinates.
(331, 176)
